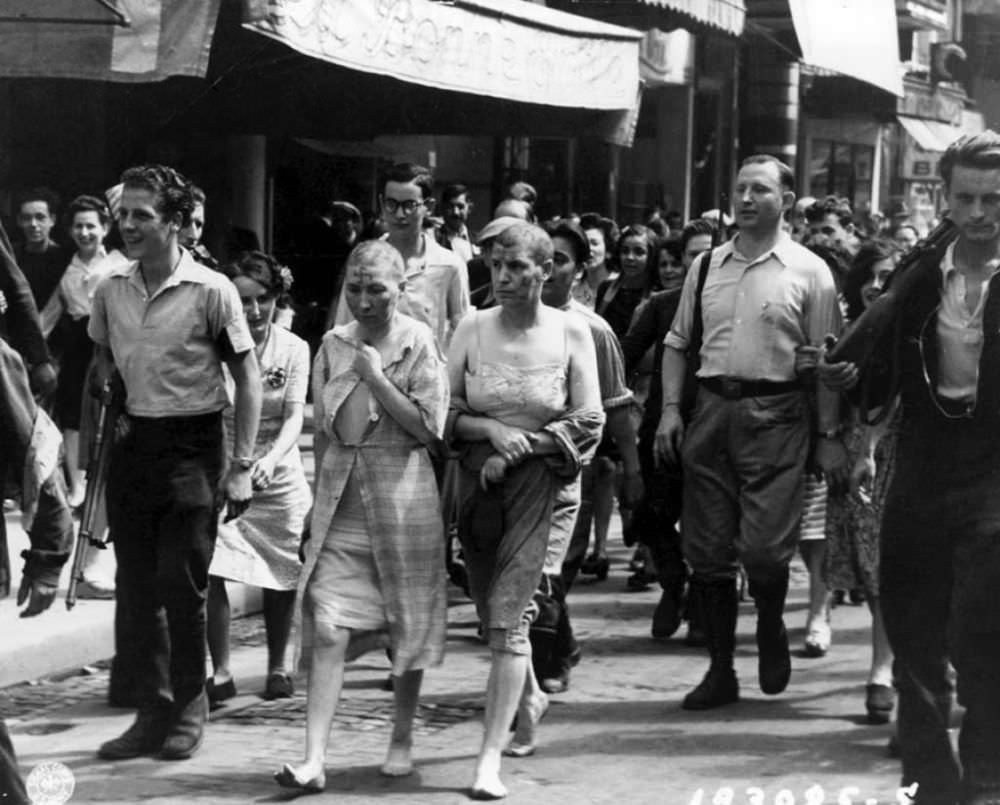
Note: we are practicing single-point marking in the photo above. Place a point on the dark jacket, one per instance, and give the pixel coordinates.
(915, 346)
(19, 324)
(648, 330)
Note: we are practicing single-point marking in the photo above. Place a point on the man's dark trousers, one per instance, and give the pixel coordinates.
(940, 592)
(162, 507)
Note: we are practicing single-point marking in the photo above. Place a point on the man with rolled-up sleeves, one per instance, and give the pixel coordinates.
(745, 448)
(167, 325)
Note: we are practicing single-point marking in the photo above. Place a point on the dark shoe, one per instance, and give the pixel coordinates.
(558, 683)
(144, 737)
(595, 565)
(879, 701)
(857, 596)
(774, 662)
(279, 686)
(667, 615)
(718, 688)
(220, 693)
(187, 730)
(639, 581)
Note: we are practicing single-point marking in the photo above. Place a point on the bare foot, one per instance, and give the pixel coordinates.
(398, 762)
(530, 712)
(307, 776)
(487, 785)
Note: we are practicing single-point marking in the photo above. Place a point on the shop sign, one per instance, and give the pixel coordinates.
(502, 50)
(667, 58)
(919, 164)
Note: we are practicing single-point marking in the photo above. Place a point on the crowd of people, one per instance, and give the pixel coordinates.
(505, 388)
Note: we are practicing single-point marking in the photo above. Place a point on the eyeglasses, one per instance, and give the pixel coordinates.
(408, 207)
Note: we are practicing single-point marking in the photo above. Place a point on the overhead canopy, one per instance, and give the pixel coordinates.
(106, 40)
(927, 133)
(729, 15)
(507, 49)
(936, 135)
(857, 38)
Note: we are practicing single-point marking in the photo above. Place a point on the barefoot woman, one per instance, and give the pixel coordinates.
(526, 411)
(375, 564)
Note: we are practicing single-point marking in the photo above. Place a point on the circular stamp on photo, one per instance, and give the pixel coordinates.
(50, 783)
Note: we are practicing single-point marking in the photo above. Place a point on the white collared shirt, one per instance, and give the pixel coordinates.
(757, 312)
(959, 332)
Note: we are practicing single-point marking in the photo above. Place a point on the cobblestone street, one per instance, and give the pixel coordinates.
(617, 736)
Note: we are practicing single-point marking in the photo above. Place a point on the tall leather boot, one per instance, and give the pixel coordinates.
(774, 662)
(719, 687)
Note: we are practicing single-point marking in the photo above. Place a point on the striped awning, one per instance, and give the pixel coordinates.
(729, 15)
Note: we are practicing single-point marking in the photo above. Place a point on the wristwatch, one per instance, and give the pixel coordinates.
(244, 464)
(831, 433)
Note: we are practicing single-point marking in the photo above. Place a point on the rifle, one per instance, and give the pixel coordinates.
(97, 476)
(858, 344)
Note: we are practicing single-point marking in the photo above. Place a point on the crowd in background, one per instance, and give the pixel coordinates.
(563, 427)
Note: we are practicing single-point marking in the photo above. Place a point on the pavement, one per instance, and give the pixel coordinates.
(617, 736)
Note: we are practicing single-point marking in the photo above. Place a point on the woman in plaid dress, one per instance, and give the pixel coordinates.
(374, 571)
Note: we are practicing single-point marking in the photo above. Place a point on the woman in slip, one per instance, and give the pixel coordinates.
(261, 546)
(374, 570)
(526, 413)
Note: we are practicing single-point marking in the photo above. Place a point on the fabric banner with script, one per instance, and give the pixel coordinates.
(56, 39)
(506, 49)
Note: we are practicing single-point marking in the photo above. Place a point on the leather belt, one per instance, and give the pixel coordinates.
(732, 388)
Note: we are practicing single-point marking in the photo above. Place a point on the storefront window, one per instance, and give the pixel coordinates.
(842, 169)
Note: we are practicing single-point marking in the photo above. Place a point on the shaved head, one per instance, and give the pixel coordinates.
(376, 254)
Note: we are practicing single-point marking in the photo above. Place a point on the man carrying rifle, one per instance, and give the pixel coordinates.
(29, 449)
(940, 538)
(167, 324)
(745, 449)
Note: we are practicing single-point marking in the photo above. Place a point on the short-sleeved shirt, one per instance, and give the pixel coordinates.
(437, 292)
(168, 348)
(756, 313)
(610, 360)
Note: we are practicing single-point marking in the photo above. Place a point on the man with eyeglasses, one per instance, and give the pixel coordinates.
(437, 283)
(939, 579)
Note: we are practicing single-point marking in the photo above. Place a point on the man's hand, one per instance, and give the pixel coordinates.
(43, 380)
(38, 595)
(837, 376)
(831, 461)
(263, 472)
(493, 471)
(862, 475)
(236, 492)
(669, 436)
